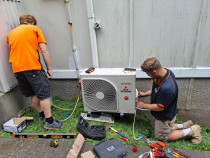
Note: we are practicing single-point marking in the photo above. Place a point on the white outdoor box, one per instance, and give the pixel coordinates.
(110, 90)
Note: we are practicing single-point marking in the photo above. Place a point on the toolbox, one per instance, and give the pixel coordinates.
(111, 148)
(97, 132)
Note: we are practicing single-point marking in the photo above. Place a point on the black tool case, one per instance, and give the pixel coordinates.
(97, 132)
(111, 148)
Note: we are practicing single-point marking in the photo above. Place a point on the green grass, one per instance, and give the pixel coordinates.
(124, 125)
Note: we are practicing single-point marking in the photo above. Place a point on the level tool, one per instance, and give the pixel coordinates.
(40, 135)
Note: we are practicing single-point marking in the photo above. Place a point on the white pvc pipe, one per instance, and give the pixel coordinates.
(92, 32)
(131, 34)
(74, 48)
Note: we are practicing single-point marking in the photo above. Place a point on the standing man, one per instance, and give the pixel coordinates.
(24, 43)
(163, 105)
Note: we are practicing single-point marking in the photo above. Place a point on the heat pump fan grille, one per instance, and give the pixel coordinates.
(99, 95)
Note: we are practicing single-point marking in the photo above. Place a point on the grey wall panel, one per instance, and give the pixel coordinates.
(200, 96)
(183, 100)
(113, 37)
(202, 52)
(81, 32)
(65, 88)
(52, 19)
(176, 32)
(8, 21)
(166, 30)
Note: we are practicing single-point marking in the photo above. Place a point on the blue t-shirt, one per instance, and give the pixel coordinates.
(165, 95)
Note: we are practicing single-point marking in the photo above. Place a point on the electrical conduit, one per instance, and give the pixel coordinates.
(74, 48)
(92, 32)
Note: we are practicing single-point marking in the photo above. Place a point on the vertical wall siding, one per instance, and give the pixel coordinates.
(202, 51)
(113, 37)
(9, 19)
(176, 32)
(167, 30)
(52, 18)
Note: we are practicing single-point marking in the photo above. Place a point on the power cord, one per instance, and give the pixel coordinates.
(134, 128)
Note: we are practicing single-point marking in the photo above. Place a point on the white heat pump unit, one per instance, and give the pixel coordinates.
(109, 90)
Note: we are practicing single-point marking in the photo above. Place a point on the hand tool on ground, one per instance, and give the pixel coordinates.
(148, 141)
(157, 149)
(123, 138)
(148, 135)
(138, 138)
(54, 143)
(163, 150)
(156, 153)
(176, 152)
(176, 155)
(119, 133)
(168, 152)
(142, 155)
(180, 153)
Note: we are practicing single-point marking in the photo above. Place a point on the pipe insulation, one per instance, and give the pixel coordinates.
(73, 43)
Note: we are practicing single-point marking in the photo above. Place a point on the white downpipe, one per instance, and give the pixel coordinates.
(131, 62)
(74, 48)
(92, 32)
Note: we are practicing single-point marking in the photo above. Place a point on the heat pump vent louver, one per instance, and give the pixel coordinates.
(100, 95)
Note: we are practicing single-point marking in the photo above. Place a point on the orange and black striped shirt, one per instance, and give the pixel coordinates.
(165, 95)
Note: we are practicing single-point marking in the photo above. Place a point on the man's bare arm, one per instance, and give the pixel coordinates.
(144, 94)
(153, 107)
(46, 57)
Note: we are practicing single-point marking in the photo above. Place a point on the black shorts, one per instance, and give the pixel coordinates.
(34, 82)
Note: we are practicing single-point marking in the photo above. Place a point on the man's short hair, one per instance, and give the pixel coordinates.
(151, 64)
(27, 18)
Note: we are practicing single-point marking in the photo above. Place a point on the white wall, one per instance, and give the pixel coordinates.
(176, 32)
(52, 19)
(9, 14)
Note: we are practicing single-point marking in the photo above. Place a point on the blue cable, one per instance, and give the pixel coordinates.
(206, 139)
(66, 115)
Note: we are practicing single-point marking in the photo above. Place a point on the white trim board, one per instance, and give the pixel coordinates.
(200, 72)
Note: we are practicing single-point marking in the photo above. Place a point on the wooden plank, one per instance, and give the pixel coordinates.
(87, 154)
(76, 147)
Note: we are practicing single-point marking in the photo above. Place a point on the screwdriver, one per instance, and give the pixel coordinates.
(123, 138)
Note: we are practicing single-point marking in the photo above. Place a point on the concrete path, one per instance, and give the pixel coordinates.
(37, 148)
